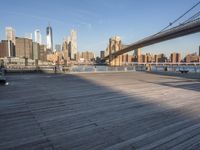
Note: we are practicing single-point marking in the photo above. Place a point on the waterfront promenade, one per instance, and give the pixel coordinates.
(127, 111)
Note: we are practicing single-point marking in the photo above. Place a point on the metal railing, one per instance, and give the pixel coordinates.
(87, 69)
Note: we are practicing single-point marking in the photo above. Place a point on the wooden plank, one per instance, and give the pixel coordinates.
(98, 111)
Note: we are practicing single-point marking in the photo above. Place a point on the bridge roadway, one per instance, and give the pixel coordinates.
(100, 111)
(181, 30)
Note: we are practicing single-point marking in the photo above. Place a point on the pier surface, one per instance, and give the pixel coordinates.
(100, 111)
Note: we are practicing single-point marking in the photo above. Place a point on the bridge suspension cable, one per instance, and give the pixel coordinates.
(194, 17)
(190, 26)
(171, 23)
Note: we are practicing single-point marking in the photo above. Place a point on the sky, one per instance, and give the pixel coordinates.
(98, 20)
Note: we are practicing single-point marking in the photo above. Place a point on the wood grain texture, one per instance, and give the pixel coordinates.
(99, 111)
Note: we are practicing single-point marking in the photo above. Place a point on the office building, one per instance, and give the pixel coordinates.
(42, 53)
(7, 49)
(127, 59)
(192, 58)
(70, 45)
(175, 57)
(3, 49)
(36, 48)
(65, 49)
(49, 35)
(160, 58)
(102, 54)
(144, 58)
(149, 58)
(86, 56)
(10, 34)
(24, 48)
(38, 37)
(137, 55)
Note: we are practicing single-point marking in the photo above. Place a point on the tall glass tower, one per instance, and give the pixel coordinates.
(49, 38)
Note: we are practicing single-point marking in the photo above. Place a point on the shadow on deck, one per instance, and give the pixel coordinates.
(97, 111)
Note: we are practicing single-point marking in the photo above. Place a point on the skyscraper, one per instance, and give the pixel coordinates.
(10, 34)
(49, 38)
(102, 54)
(73, 39)
(38, 37)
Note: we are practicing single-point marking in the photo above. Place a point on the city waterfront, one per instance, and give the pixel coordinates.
(130, 110)
(100, 75)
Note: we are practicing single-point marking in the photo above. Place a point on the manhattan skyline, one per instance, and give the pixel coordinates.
(97, 21)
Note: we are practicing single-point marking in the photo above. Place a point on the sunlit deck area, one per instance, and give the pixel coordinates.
(92, 111)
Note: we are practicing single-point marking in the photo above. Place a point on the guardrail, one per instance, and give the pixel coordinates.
(191, 67)
(79, 69)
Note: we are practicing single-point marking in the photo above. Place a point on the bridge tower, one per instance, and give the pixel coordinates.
(114, 46)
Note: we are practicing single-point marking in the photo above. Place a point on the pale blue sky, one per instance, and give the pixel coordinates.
(97, 20)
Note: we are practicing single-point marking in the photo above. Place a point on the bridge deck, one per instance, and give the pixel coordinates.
(99, 111)
(175, 32)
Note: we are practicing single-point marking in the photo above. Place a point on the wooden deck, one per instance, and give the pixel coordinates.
(99, 111)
